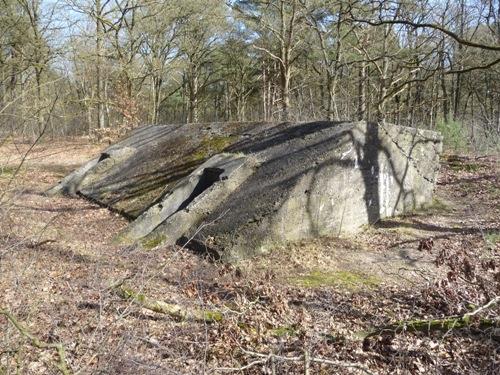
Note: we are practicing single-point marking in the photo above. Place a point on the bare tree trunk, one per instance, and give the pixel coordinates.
(311, 101)
(193, 98)
(458, 55)
(227, 103)
(331, 96)
(285, 91)
(362, 92)
(106, 113)
(99, 81)
(446, 108)
(157, 82)
(38, 104)
(432, 117)
(271, 93)
(264, 94)
(382, 92)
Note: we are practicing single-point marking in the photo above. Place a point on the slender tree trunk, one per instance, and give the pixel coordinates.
(382, 92)
(311, 102)
(362, 93)
(193, 97)
(446, 108)
(457, 93)
(331, 96)
(106, 113)
(99, 81)
(155, 115)
(264, 94)
(271, 96)
(432, 117)
(227, 102)
(38, 104)
(285, 92)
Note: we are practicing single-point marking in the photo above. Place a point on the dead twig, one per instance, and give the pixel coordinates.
(443, 324)
(306, 358)
(490, 304)
(37, 343)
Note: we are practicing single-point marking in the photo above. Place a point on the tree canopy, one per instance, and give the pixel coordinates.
(120, 63)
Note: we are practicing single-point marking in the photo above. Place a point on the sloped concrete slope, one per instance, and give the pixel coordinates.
(238, 190)
(131, 175)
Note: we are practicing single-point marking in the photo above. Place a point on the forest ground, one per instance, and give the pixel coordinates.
(306, 308)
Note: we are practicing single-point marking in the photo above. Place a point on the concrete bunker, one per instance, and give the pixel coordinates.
(190, 199)
(258, 185)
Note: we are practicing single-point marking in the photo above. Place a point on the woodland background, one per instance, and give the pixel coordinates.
(69, 67)
(418, 294)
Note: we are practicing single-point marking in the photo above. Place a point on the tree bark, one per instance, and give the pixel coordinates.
(99, 81)
(362, 92)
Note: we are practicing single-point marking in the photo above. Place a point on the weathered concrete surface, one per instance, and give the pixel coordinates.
(131, 175)
(273, 183)
(190, 200)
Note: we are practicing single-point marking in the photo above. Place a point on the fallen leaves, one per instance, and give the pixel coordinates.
(57, 277)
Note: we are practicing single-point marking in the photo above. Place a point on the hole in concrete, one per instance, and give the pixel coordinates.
(198, 247)
(207, 179)
(178, 200)
(103, 156)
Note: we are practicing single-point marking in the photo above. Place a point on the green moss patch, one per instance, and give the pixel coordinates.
(212, 145)
(467, 167)
(494, 190)
(346, 279)
(439, 205)
(269, 330)
(492, 239)
(283, 331)
(130, 294)
(7, 171)
(436, 206)
(152, 242)
(212, 316)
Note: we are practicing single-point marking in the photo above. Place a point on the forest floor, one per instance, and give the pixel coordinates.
(305, 309)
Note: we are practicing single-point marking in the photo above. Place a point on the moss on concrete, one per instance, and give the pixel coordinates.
(153, 241)
(212, 145)
(347, 279)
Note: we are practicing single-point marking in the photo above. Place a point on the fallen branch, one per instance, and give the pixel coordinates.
(37, 343)
(173, 310)
(444, 324)
(490, 304)
(306, 358)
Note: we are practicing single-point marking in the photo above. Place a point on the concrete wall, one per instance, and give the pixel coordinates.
(388, 176)
(326, 183)
(279, 182)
